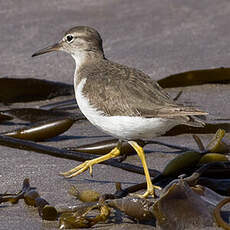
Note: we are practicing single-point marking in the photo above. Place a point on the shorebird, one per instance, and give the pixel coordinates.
(121, 101)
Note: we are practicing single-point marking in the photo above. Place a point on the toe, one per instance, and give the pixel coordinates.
(150, 192)
(78, 170)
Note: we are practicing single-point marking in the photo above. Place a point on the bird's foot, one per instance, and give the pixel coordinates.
(150, 192)
(89, 164)
(79, 169)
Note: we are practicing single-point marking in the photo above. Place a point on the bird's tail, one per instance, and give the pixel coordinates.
(192, 116)
(195, 121)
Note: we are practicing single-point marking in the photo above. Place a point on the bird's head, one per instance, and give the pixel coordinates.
(79, 41)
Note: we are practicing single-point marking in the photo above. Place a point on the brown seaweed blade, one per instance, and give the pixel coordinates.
(181, 163)
(14, 89)
(196, 77)
(105, 146)
(42, 131)
(139, 209)
(180, 207)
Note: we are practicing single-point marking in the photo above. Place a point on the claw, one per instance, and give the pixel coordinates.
(150, 192)
(79, 169)
(89, 164)
(91, 170)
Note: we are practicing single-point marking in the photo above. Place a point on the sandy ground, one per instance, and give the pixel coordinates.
(159, 37)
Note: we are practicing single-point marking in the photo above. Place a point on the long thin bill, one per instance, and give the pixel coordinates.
(48, 49)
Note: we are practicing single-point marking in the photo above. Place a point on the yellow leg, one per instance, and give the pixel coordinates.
(89, 164)
(141, 154)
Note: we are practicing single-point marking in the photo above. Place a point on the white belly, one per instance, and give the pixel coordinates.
(122, 127)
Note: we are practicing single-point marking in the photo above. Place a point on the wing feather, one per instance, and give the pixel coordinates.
(122, 91)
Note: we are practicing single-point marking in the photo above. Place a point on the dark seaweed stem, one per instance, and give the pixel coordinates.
(198, 142)
(219, 168)
(31, 146)
(136, 209)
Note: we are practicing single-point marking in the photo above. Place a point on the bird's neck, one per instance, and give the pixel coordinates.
(82, 58)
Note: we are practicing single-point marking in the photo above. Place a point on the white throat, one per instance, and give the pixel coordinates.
(79, 58)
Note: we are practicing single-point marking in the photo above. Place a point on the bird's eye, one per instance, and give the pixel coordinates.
(69, 38)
